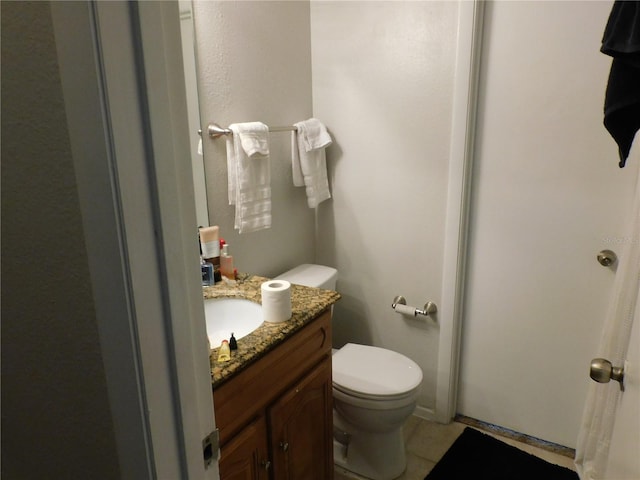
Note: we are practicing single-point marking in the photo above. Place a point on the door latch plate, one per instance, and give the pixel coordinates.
(210, 448)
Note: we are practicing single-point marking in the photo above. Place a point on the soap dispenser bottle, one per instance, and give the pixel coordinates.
(226, 263)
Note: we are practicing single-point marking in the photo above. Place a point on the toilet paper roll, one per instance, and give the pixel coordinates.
(405, 309)
(276, 301)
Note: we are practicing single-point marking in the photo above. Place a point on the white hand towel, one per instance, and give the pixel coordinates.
(249, 176)
(254, 137)
(231, 169)
(308, 160)
(314, 134)
(296, 169)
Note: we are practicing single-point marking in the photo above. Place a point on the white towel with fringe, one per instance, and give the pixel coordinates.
(308, 160)
(249, 175)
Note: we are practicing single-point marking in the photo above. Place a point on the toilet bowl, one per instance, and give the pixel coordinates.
(374, 392)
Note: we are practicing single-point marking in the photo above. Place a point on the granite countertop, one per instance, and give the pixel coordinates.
(306, 304)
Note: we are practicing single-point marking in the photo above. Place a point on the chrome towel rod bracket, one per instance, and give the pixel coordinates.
(215, 131)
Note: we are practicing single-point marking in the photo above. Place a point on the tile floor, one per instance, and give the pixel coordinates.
(427, 442)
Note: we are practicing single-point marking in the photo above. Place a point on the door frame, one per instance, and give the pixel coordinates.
(463, 127)
(94, 112)
(120, 65)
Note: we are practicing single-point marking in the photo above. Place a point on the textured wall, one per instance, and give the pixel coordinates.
(56, 421)
(383, 83)
(254, 65)
(381, 76)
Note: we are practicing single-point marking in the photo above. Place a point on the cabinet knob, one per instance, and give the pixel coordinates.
(266, 464)
(284, 446)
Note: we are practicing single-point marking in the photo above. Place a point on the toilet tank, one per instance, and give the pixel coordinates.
(311, 275)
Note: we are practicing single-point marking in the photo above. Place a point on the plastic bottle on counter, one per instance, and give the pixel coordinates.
(225, 354)
(207, 273)
(226, 263)
(210, 245)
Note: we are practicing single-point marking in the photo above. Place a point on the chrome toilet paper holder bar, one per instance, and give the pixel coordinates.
(430, 308)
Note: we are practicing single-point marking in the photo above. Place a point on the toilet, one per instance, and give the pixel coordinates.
(374, 392)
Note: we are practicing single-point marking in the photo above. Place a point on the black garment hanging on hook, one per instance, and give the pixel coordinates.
(621, 41)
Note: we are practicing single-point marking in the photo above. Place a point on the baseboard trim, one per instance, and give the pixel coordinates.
(426, 414)
(520, 437)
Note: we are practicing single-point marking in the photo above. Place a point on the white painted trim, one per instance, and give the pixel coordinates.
(425, 413)
(160, 41)
(128, 139)
(197, 160)
(93, 156)
(470, 18)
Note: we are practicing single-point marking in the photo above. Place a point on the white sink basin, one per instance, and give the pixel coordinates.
(226, 315)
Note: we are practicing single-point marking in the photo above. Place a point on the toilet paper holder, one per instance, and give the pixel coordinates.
(430, 308)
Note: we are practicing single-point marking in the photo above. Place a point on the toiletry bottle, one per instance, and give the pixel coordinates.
(210, 244)
(226, 263)
(233, 344)
(207, 273)
(225, 354)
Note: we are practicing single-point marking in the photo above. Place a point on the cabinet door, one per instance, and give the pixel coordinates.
(245, 457)
(301, 426)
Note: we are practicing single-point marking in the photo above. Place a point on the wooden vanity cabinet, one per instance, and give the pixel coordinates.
(299, 435)
(246, 456)
(275, 416)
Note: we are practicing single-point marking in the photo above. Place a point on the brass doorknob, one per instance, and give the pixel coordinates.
(602, 371)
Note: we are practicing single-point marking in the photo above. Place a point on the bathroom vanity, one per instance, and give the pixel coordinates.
(273, 400)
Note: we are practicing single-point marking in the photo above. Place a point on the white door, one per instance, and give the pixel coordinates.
(624, 461)
(547, 196)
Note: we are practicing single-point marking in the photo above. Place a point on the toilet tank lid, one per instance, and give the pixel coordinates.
(374, 371)
(311, 275)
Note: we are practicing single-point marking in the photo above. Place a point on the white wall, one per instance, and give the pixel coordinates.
(380, 75)
(254, 65)
(383, 83)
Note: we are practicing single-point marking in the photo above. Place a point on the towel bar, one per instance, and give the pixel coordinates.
(216, 130)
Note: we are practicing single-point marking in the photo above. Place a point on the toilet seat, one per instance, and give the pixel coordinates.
(377, 398)
(374, 373)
